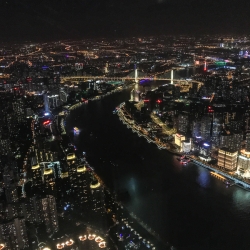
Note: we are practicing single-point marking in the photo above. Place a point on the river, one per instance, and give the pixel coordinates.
(185, 205)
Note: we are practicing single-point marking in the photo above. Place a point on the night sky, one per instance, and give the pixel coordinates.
(61, 19)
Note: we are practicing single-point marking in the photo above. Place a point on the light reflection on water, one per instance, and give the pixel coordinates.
(203, 177)
(184, 204)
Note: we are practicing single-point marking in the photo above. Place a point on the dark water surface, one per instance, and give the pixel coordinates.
(184, 204)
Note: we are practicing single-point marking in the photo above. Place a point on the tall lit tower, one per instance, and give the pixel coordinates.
(205, 66)
(46, 102)
(136, 74)
(172, 76)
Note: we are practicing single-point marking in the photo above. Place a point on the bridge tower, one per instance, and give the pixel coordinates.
(172, 76)
(136, 74)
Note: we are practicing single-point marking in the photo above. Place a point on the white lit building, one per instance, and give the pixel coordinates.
(178, 139)
(186, 146)
(227, 159)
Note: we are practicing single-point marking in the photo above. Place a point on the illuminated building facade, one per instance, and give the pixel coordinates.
(19, 110)
(83, 187)
(227, 159)
(216, 130)
(37, 176)
(186, 146)
(178, 139)
(232, 141)
(205, 128)
(49, 180)
(50, 214)
(183, 123)
(243, 166)
(98, 204)
(53, 101)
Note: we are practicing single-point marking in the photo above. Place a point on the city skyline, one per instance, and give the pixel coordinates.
(128, 142)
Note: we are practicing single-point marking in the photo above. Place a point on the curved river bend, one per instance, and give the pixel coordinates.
(184, 204)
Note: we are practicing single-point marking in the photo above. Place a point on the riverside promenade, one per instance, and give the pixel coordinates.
(141, 132)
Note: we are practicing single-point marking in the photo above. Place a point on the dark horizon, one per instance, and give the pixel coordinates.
(59, 20)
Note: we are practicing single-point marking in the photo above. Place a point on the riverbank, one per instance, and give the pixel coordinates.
(123, 116)
(135, 224)
(142, 132)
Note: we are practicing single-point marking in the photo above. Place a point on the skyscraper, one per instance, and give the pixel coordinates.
(19, 110)
(98, 204)
(37, 176)
(50, 213)
(82, 187)
(206, 127)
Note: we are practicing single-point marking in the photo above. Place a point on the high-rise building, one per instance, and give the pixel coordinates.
(49, 180)
(10, 187)
(53, 101)
(13, 234)
(227, 159)
(216, 130)
(183, 123)
(98, 204)
(37, 176)
(206, 127)
(33, 210)
(19, 110)
(50, 214)
(83, 187)
(243, 166)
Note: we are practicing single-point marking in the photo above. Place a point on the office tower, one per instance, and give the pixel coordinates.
(37, 176)
(243, 165)
(71, 158)
(237, 140)
(216, 129)
(19, 110)
(10, 186)
(50, 214)
(13, 234)
(33, 210)
(247, 142)
(227, 159)
(53, 101)
(196, 129)
(206, 127)
(183, 123)
(98, 205)
(46, 102)
(83, 187)
(72, 173)
(49, 181)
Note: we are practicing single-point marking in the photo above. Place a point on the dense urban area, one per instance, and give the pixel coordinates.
(51, 197)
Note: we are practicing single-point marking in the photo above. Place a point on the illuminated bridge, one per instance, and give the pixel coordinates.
(183, 83)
